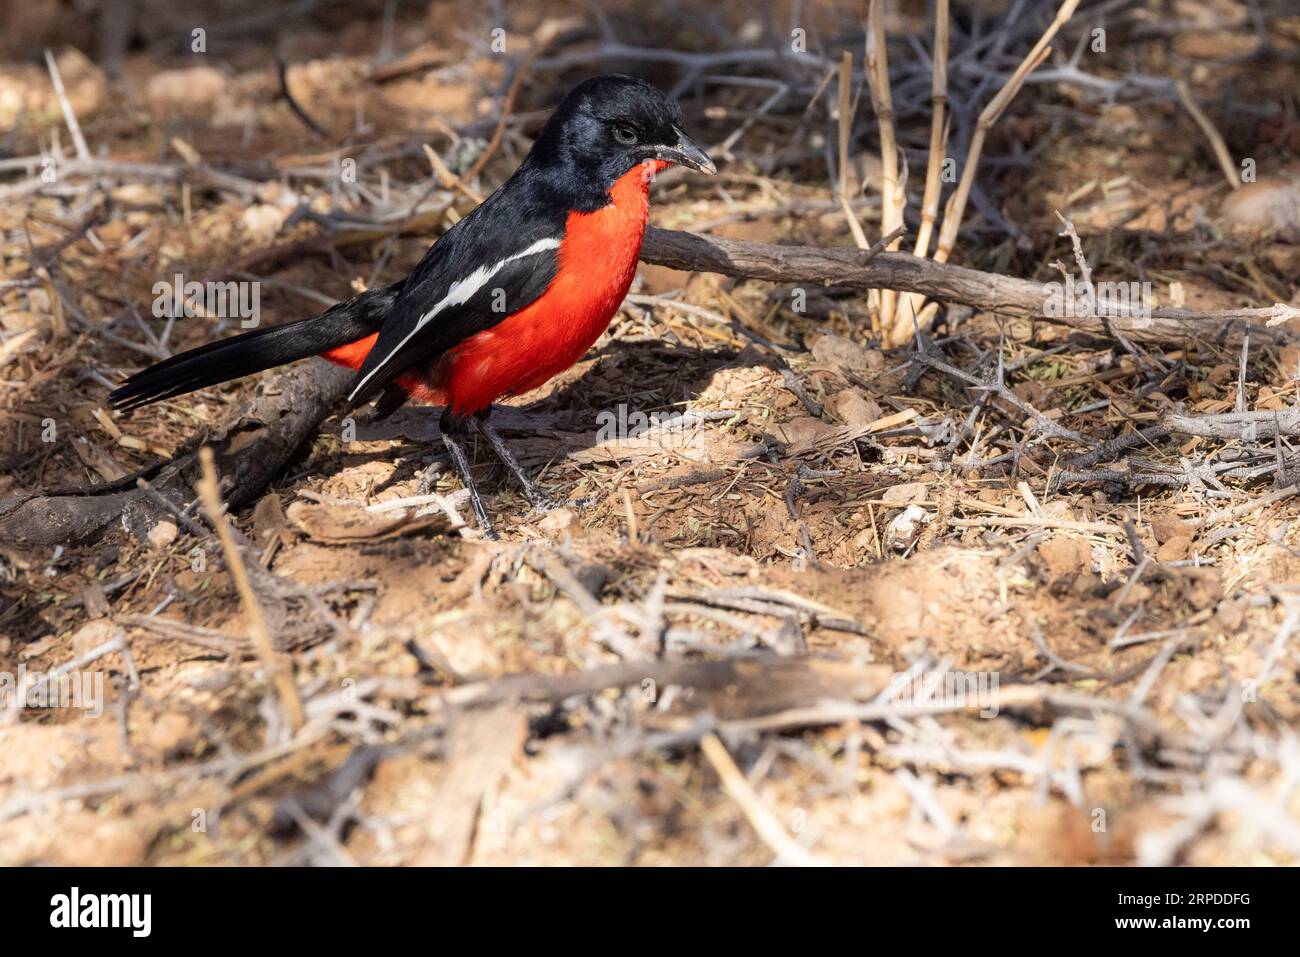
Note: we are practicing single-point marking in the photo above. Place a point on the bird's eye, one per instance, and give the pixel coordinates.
(625, 135)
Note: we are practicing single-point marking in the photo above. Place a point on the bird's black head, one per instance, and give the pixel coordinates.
(609, 124)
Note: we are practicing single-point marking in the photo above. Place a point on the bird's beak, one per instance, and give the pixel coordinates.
(685, 153)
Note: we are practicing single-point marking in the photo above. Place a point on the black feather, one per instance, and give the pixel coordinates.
(255, 351)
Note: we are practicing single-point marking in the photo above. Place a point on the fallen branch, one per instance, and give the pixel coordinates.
(742, 686)
(251, 446)
(202, 176)
(990, 292)
(1240, 426)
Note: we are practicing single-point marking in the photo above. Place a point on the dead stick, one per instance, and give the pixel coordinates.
(938, 105)
(1245, 508)
(545, 34)
(956, 208)
(991, 292)
(892, 199)
(1212, 134)
(279, 669)
(69, 116)
(846, 128)
(766, 825)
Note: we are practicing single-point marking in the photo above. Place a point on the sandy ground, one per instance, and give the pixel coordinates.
(838, 609)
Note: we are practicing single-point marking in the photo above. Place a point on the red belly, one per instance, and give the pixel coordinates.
(596, 264)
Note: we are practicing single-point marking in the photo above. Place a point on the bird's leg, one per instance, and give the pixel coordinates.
(454, 428)
(539, 499)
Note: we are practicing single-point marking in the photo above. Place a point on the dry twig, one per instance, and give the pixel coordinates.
(280, 670)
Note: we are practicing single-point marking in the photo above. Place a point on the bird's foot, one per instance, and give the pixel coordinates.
(461, 463)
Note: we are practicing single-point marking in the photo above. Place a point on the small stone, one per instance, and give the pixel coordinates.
(847, 354)
(1222, 373)
(904, 493)
(903, 530)
(1269, 207)
(268, 517)
(855, 408)
(1231, 615)
(803, 430)
(1288, 361)
(163, 534)
(1270, 400)
(262, 221)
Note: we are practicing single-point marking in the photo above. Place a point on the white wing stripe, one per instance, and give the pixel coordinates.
(458, 293)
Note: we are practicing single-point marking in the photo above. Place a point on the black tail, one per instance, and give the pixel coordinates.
(256, 351)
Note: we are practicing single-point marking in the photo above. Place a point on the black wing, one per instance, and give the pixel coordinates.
(492, 263)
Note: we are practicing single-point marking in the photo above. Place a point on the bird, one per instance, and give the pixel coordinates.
(510, 296)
